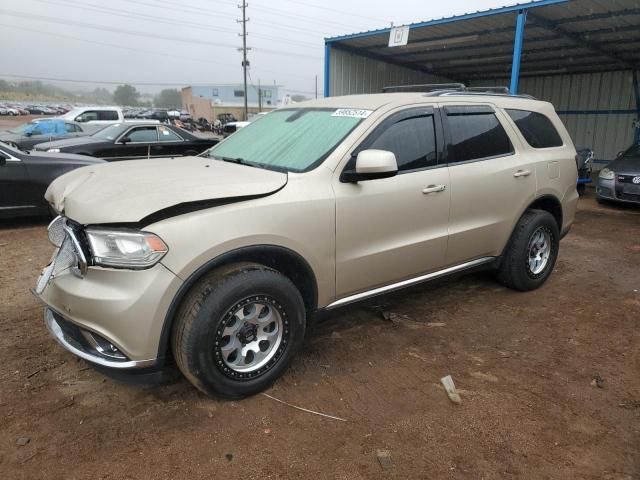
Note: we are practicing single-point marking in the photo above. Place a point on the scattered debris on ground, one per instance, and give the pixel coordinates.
(597, 381)
(384, 458)
(450, 388)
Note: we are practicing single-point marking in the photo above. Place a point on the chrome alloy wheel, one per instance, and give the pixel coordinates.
(539, 251)
(251, 337)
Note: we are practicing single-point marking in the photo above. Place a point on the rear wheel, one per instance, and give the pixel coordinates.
(532, 251)
(238, 329)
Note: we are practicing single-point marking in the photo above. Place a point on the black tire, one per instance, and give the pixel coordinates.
(582, 188)
(206, 312)
(514, 270)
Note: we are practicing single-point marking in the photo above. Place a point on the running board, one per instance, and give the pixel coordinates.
(408, 283)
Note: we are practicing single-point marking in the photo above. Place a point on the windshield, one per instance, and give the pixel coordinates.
(25, 127)
(12, 150)
(111, 132)
(293, 140)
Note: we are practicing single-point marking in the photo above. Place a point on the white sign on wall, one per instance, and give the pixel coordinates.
(399, 36)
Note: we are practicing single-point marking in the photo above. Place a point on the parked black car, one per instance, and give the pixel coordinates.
(126, 141)
(619, 181)
(29, 134)
(25, 176)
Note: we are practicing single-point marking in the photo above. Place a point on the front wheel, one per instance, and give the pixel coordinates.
(238, 329)
(532, 251)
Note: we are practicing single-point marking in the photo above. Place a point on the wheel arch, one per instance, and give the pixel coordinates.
(284, 260)
(551, 204)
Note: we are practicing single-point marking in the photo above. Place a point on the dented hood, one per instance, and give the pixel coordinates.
(127, 192)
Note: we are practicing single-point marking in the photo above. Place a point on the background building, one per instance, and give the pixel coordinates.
(210, 100)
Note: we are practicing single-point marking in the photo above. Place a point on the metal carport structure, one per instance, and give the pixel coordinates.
(582, 55)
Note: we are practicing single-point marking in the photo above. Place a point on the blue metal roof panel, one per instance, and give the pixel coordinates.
(455, 18)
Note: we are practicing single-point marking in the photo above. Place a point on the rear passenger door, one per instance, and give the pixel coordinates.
(169, 143)
(492, 180)
(392, 229)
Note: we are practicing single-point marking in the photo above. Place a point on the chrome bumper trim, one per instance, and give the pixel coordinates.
(74, 347)
(407, 283)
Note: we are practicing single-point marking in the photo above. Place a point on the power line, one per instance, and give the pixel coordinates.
(199, 11)
(341, 12)
(200, 60)
(104, 82)
(279, 12)
(44, 18)
(156, 19)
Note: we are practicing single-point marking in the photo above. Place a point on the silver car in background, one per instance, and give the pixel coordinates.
(620, 180)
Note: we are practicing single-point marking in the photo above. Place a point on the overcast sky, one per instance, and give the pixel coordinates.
(185, 42)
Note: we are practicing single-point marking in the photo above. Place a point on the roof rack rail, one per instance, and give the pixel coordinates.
(442, 89)
(426, 88)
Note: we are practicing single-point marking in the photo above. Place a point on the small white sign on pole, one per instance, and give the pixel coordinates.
(399, 36)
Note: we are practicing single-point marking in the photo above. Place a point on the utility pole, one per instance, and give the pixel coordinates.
(259, 97)
(316, 87)
(245, 63)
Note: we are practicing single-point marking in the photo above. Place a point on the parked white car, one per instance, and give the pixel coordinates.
(99, 116)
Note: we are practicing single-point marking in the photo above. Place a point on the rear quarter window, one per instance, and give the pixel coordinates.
(107, 115)
(536, 128)
(475, 134)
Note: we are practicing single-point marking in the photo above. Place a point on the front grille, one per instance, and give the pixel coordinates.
(66, 257)
(72, 250)
(629, 197)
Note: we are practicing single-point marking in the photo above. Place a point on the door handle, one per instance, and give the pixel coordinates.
(522, 173)
(434, 189)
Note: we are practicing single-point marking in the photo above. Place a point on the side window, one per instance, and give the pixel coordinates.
(88, 116)
(475, 133)
(168, 135)
(412, 140)
(70, 128)
(107, 115)
(536, 129)
(143, 134)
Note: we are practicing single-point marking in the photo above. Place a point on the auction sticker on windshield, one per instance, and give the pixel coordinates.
(351, 112)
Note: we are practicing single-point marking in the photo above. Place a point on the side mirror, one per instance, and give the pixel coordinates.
(372, 165)
(125, 140)
(619, 154)
(79, 119)
(28, 134)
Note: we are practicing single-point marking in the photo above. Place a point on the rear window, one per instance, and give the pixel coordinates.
(536, 129)
(107, 115)
(475, 134)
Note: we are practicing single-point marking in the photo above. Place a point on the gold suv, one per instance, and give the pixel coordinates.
(217, 262)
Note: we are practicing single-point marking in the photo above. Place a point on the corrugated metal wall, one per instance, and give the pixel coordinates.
(351, 74)
(598, 109)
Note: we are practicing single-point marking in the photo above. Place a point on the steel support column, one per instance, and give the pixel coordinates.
(636, 93)
(517, 51)
(327, 67)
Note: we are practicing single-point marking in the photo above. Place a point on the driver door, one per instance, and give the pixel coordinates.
(14, 196)
(392, 229)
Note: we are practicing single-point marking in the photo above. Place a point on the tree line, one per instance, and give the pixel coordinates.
(125, 95)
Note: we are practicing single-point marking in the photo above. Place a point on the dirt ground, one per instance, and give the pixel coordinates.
(523, 362)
